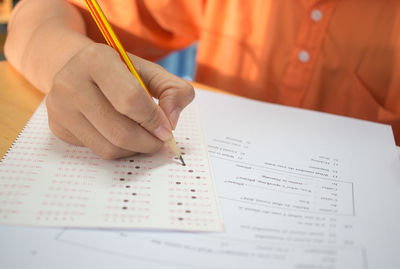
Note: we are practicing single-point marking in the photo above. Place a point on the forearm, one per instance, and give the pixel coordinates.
(42, 36)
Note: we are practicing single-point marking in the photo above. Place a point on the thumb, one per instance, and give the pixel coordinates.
(127, 95)
(142, 109)
(173, 93)
(174, 99)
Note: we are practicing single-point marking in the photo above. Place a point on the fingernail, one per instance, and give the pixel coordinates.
(163, 133)
(174, 116)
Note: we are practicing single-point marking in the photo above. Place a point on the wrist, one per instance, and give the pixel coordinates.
(42, 37)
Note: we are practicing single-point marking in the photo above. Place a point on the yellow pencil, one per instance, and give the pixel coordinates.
(114, 42)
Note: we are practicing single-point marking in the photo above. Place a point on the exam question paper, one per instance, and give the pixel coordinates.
(297, 189)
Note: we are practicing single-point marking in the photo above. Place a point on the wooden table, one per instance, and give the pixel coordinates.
(18, 100)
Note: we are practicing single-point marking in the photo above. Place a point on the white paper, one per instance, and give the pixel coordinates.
(298, 189)
(46, 182)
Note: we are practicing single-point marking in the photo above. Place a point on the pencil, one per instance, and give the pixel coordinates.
(114, 42)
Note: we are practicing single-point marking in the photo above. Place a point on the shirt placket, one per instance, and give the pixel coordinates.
(304, 55)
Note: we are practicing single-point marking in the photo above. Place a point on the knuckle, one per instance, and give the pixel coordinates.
(142, 64)
(152, 119)
(183, 92)
(126, 104)
(62, 133)
(120, 137)
(189, 92)
(93, 51)
(96, 54)
(52, 106)
(109, 152)
(56, 109)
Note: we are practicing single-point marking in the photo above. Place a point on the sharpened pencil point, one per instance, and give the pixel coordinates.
(183, 162)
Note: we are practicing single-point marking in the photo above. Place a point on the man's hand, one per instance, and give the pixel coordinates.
(95, 101)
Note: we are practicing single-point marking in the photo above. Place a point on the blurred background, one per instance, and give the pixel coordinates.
(5, 10)
(180, 63)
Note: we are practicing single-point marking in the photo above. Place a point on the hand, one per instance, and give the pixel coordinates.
(95, 101)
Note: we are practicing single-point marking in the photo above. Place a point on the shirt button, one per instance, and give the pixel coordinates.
(316, 15)
(304, 56)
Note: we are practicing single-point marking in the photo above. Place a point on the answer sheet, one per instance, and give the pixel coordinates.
(46, 182)
(297, 189)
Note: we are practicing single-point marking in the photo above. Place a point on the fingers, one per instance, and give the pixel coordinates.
(174, 93)
(95, 101)
(126, 95)
(174, 100)
(63, 133)
(79, 126)
(114, 126)
(90, 137)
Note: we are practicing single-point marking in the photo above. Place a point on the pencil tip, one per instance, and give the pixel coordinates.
(183, 162)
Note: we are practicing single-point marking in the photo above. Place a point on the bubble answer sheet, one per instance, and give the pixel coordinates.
(297, 189)
(46, 182)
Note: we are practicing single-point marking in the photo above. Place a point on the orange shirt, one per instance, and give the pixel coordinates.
(337, 56)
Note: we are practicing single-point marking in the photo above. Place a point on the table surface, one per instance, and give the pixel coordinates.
(19, 99)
